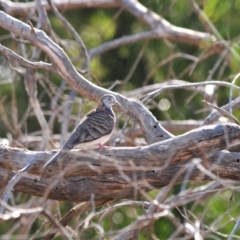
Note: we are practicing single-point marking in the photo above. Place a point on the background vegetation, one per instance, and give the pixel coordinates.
(124, 69)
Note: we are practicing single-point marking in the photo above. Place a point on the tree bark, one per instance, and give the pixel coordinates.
(121, 172)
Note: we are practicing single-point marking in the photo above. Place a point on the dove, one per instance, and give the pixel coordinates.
(94, 130)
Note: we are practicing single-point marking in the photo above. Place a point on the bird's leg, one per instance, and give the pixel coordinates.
(101, 146)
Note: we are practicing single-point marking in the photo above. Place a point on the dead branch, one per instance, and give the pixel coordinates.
(17, 8)
(161, 27)
(223, 165)
(116, 172)
(10, 54)
(73, 213)
(196, 143)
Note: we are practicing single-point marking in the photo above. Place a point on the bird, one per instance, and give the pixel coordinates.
(94, 130)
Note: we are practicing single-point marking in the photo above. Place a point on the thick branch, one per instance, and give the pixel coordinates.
(119, 172)
(196, 143)
(222, 164)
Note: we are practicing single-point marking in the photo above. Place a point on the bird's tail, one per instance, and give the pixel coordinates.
(53, 159)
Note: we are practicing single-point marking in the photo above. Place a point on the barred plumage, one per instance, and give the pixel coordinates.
(95, 128)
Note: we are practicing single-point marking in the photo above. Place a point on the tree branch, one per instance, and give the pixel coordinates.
(121, 170)
(35, 65)
(163, 28)
(77, 189)
(17, 8)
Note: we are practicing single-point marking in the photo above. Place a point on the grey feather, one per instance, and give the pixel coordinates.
(95, 126)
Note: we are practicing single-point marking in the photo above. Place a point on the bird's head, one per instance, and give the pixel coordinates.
(108, 100)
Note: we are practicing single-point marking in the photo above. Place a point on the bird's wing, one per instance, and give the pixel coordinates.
(95, 125)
